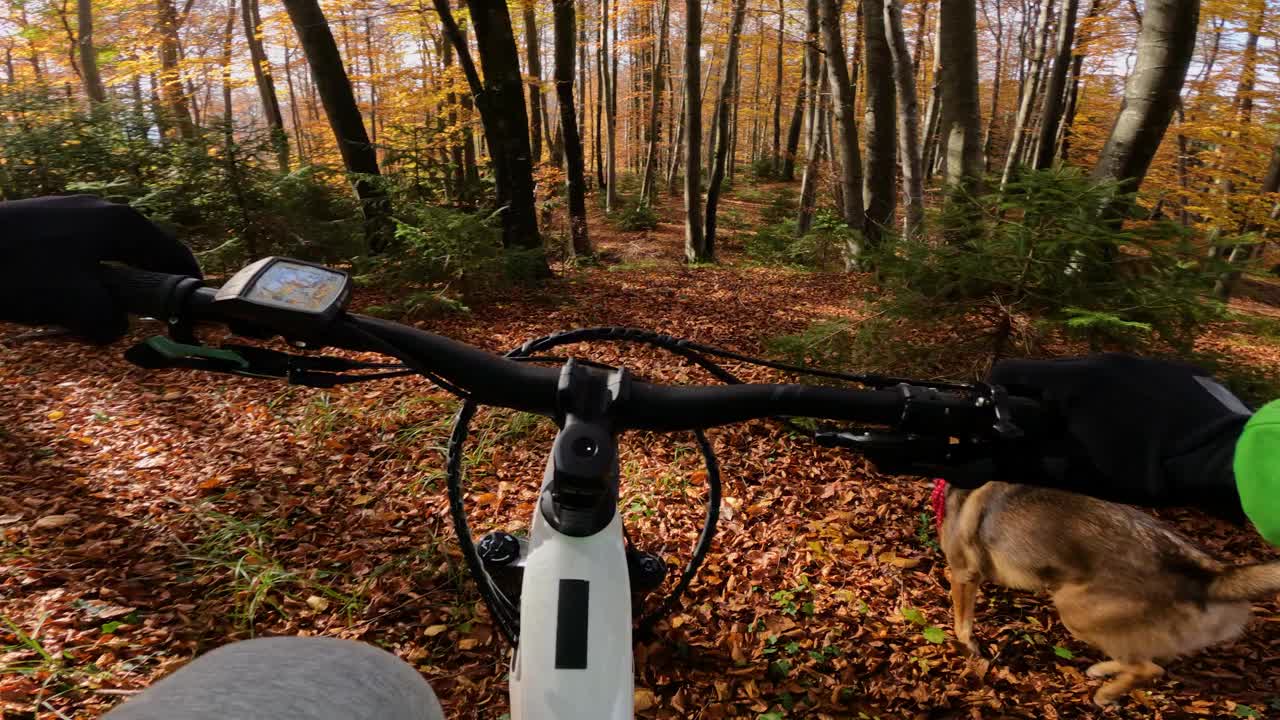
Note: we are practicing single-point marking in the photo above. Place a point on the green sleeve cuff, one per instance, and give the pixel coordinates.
(1257, 470)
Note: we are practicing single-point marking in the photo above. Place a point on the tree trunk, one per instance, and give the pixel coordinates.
(228, 116)
(724, 106)
(457, 167)
(234, 174)
(565, 23)
(1165, 46)
(695, 246)
(340, 108)
(755, 102)
(373, 88)
(500, 100)
(815, 71)
(812, 166)
(777, 90)
(707, 83)
(163, 128)
(582, 79)
(932, 110)
(677, 147)
(1030, 88)
(1073, 90)
(996, 82)
(1226, 283)
(881, 125)
(829, 150)
(908, 121)
(295, 114)
(610, 113)
(171, 90)
(655, 109)
(1243, 106)
(266, 86)
(89, 54)
(1050, 116)
(960, 126)
(843, 92)
(534, 55)
(797, 121)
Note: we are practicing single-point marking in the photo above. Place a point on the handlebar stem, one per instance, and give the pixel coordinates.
(581, 497)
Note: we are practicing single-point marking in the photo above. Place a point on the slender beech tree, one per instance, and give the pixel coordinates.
(534, 57)
(881, 125)
(813, 163)
(695, 246)
(339, 101)
(500, 100)
(93, 86)
(960, 126)
(610, 89)
(908, 120)
(775, 148)
(724, 107)
(1073, 90)
(266, 85)
(655, 108)
(1165, 45)
(176, 108)
(565, 25)
(932, 109)
(843, 90)
(677, 147)
(1241, 253)
(1055, 87)
(1030, 89)
(997, 80)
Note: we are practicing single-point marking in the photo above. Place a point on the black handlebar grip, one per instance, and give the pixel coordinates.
(142, 292)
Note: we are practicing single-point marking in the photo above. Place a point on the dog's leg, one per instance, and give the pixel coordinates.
(1105, 669)
(963, 597)
(1130, 676)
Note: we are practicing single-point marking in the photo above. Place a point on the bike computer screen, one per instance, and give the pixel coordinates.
(292, 297)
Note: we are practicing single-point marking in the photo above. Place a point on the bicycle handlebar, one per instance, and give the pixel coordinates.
(493, 380)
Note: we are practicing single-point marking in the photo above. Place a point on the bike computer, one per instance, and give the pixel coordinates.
(292, 297)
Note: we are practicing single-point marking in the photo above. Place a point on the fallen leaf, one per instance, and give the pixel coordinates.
(56, 415)
(467, 643)
(890, 557)
(318, 603)
(435, 630)
(49, 522)
(362, 500)
(104, 610)
(644, 699)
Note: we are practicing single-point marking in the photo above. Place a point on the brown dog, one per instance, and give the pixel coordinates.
(1122, 581)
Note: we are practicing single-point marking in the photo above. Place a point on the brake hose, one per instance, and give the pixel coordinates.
(505, 612)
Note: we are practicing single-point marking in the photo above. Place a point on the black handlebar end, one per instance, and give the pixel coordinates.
(142, 292)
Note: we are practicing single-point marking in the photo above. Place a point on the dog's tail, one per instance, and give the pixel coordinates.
(1246, 582)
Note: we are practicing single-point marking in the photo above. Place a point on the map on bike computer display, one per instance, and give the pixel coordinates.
(304, 288)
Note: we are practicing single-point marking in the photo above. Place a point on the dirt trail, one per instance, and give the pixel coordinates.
(148, 516)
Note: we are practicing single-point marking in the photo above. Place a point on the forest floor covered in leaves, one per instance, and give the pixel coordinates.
(146, 517)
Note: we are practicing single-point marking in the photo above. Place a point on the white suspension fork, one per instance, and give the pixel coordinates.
(574, 658)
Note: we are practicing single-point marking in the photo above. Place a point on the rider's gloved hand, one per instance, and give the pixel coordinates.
(49, 254)
(1152, 432)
